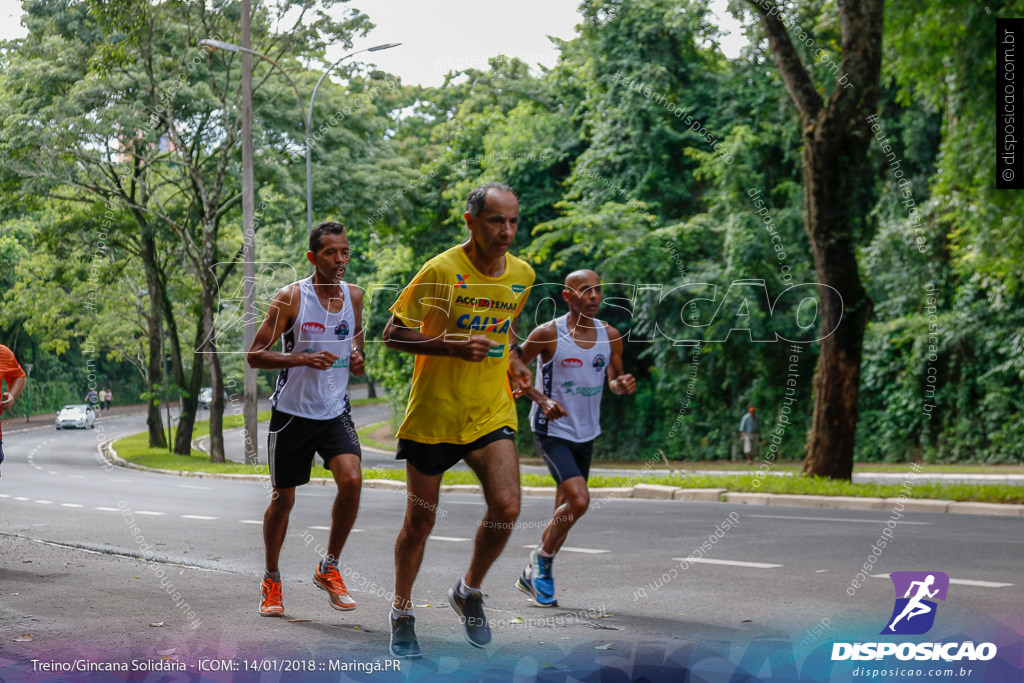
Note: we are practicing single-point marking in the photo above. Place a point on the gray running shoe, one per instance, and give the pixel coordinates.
(471, 613)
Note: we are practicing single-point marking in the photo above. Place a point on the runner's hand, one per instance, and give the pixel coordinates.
(624, 384)
(474, 349)
(7, 402)
(321, 360)
(552, 409)
(356, 363)
(522, 378)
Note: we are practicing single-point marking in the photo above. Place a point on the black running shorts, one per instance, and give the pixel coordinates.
(294, 440)
(432, 459)
(565, 459)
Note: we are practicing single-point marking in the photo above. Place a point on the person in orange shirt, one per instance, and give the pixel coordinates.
(12, 373)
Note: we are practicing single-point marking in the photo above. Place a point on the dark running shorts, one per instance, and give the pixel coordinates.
(293, 441)
(432, 459)
(565, 459)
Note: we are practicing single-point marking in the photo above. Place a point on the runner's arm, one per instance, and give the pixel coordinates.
(14, 387)
(618, 381)
(280, 316)
(357, 359)
(400, 337)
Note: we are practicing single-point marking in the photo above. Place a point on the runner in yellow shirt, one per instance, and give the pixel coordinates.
(456, 316)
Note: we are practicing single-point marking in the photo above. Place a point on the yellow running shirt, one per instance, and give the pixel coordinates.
(454, 400)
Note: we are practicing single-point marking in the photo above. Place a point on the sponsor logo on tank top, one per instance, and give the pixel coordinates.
(313, 328)
(599, 361)
(462, 280)
(572, 363)
(497, 351)
(341, 330)
(518, 289)
(340, 363)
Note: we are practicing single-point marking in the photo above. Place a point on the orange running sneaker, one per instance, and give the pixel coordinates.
(271, 603)
(332, 582)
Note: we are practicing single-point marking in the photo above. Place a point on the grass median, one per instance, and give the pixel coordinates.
(135, 449)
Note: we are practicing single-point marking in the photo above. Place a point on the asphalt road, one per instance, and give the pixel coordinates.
(72, 529)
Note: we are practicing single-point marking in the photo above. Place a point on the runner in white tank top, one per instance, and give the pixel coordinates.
(306, 391)
(319, 320)
(577, 351)
(574, 377)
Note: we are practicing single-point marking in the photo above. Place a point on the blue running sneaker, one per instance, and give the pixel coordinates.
(540, 574)
(525, 584)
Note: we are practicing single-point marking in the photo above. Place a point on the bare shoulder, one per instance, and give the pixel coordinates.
(544, 333)
(613, 334)
(288, 296)
(356, 292)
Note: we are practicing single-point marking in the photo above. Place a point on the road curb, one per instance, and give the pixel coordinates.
(657, 492)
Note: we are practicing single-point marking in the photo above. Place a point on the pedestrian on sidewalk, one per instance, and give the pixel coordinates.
(108, 398)
(750, 434)
(11, 373)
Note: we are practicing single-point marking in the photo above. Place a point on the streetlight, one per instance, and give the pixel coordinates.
(308, 121)
(28, 397)
(248, 200)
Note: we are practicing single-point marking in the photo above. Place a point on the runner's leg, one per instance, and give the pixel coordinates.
(571, 502)
(347, 472)
(423, 491)
(275, 524)
(497, 467)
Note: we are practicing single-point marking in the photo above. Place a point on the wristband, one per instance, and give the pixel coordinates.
(360, 350)
(517, 348)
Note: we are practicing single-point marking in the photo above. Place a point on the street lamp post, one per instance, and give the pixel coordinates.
(27, 367)
(248, 203)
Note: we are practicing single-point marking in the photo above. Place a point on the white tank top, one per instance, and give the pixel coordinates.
(305, 391)
(575, 378)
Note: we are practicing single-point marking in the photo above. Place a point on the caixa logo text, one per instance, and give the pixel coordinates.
(949, 652)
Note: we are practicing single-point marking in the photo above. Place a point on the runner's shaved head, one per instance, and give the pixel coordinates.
(578, 279)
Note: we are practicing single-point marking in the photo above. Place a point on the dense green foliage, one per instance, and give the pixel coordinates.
(612, 175)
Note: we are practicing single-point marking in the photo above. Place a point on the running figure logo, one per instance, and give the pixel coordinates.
(913, 614)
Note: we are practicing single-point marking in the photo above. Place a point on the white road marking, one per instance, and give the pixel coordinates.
(961, 582)
(447, 538)
(44, 502)
(836, 519)
(570, 549)
(322, 528)
(107, 509)
(50, 472)
(20, 498)
(119, 481)
(198, 488)
(730, 563)
(251, 521)
(76, 476)
(5, 495)
(149, 512)
(204, 517)
(71, 505)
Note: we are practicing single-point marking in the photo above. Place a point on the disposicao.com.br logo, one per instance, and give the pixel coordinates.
(914, 613)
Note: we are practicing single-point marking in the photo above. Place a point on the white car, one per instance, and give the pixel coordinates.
(80, 417)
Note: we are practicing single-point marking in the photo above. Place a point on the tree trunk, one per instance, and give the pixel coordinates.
(828, 203)
(371, 390)
(836, 136)
(190, 402)
(154, 330)
(209, 348)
